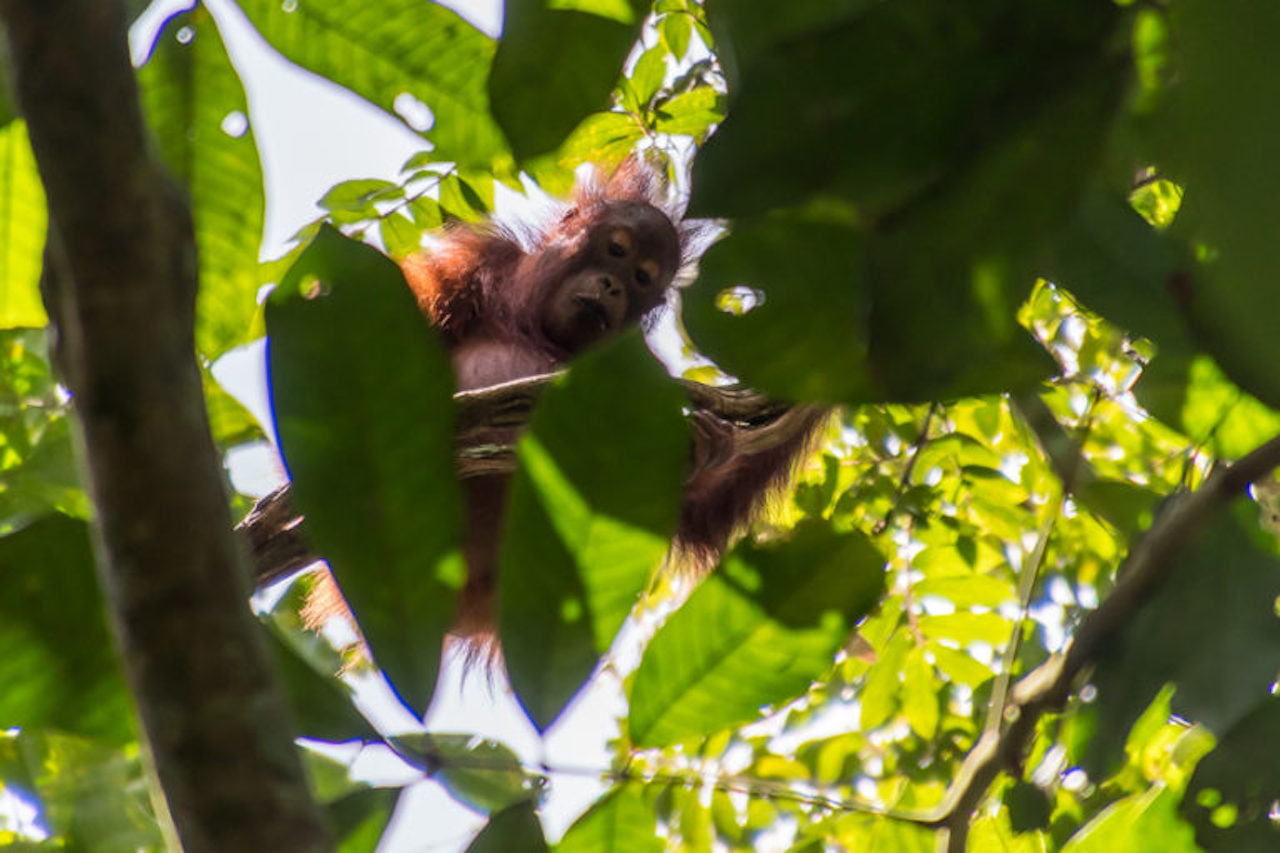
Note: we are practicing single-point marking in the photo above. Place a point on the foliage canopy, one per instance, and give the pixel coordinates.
(1025, 245)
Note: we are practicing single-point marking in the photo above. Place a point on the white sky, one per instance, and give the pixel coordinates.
(312, 135)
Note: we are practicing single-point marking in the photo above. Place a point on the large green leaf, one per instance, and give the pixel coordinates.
(23, 220)
(515, 828)
(38, 470)
(362, 395)
(1220, 133)
(591, 510)
(384, 50)
(322, 705)
(57, 667)
(554, 66)
(1233, 791)
(1147, 821)
(1211, 630)
(781, 303)
(892, 98)
(755, 633)
(197, 110)
(95, 798)
(483, 775)
(619, 822)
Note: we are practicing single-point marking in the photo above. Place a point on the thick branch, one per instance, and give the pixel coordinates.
(1048, 687)
(120, 286)
(274, 528)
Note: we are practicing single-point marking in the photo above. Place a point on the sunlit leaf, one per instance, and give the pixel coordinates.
(22, 230)
(757, 632)
(589, 516)
(198, 111)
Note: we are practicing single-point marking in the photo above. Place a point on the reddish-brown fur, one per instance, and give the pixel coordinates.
(504, 314)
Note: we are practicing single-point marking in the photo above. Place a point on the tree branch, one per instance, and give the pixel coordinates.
(120, 287)
(274, 528)
(1048, 687)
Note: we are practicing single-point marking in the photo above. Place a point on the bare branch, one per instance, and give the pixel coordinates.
(120, 286)
(1048, 687)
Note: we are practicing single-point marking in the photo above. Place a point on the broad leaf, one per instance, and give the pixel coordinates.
(393, 48)
(198, 112)
(23, 220)
(57, 664)
(362, 396)
(589, 516)
(620, 822)
(554, 66)
(757, 632)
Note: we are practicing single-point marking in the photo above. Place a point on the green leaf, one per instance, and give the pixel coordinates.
(920, 695)
(554, 66)
(1146, 821)
(444, 63)
(781, 303)
(690, 113)
(322, 705)
(483, 775)
(400, 236)
(757, 632)
(1231, 794)
(94, 797)
(516, 828)
(198, 112)
(360, 818)
(619, 822)
(57, 664)
(964, 627)
(589, 516)
(1223, 578)
(1219, 134)
(362, 396)
(675, 30)
(23, 220)
(894, 95)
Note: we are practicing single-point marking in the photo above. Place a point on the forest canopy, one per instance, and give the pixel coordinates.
(1023, 596)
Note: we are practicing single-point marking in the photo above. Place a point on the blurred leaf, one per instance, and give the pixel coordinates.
(1029, 807)
(894, 95)
(323, 706)
(920, 695)
(198, 112)
(360, 818)
(1222, 580)
(23, 220)
(1219, 135)
(1234, 789)
(362, 396)
(619, 822)
(38, 471)
(57, 661)
(589, 516)
(483, 775)
(1145, 821)
(362, 46)
(96, 798)
(515, 828)
(781, 304)
(690, 113)
(399, 235)
(1220, 414)
(755, 633)
(554, 66)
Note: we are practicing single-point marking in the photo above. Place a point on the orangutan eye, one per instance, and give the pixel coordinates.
(647, 273)
(619, 243)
